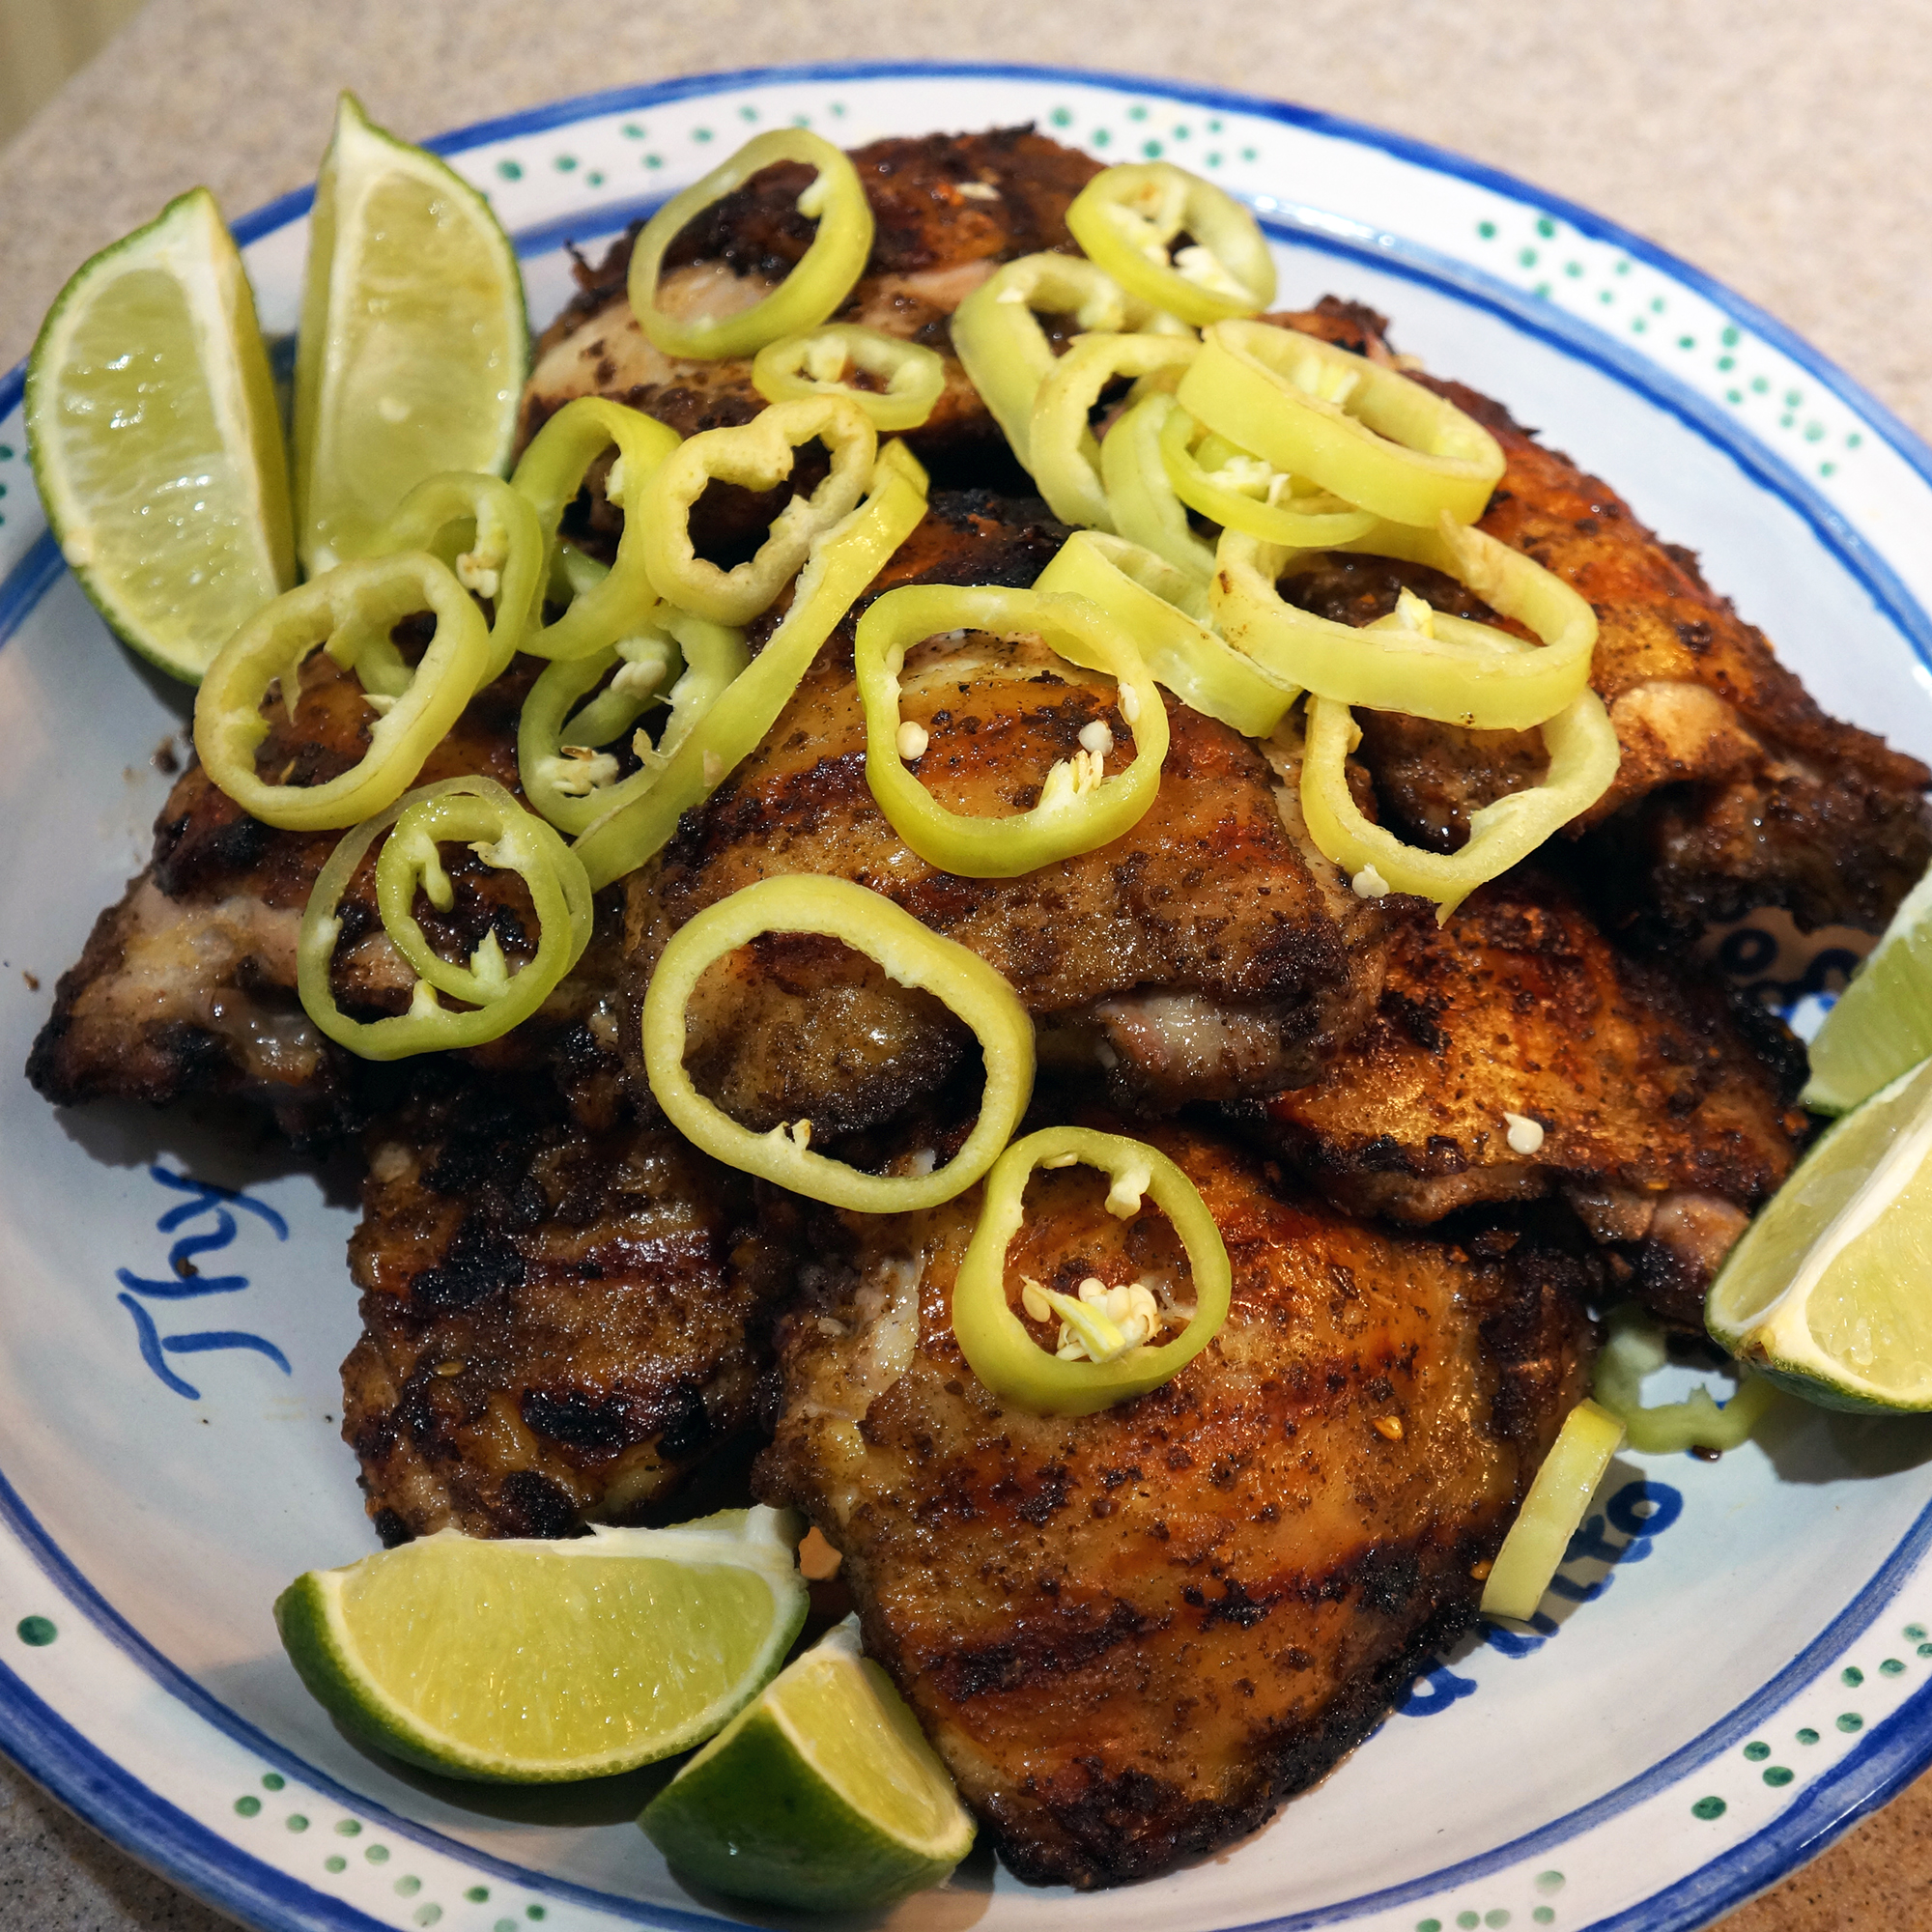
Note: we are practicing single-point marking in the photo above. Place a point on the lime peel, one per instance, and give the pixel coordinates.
(1882, 1024)
(821, 1796)
(529, 1662)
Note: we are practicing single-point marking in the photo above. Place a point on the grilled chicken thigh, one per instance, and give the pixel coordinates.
(1131, 1635)
(1642, 1096)
(561, 1321)
(947, 208)
(1210, 952)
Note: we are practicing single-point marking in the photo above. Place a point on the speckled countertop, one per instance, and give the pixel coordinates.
(1786, 150)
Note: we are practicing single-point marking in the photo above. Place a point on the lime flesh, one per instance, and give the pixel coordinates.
(413, 343)
(152, 424)
(821, 1796)
(1830, 1290)
(530, 1662)
(1882, 1024)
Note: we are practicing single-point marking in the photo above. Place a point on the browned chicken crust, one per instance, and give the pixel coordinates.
(1736, 791)
(1665, 1113)
(1131, 1635)
(560, 1320)
(948, 209)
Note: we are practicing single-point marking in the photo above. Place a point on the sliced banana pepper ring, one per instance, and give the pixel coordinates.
(1001, 345)
(912, 955)
(480, 813)
(798, 367)
(1165, 611)
(1457, 672)
(995, 1341)
(551, 473)
(1060, 450)
(564, 771)
(1301, 522)
(1354, 427)
(815, 287)
(757, 455)
(1140, 498)
(1584, 757)
(1127, 217)
(504, 559)
(349, 610)
(841, 563)
(1079, 811)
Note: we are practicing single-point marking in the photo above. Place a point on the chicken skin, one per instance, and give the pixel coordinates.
(1131, 1635)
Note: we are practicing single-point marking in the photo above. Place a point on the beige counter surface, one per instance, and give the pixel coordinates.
(1787, 151)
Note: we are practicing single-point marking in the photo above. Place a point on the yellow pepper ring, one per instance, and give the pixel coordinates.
(505, 563)
(572, 793)
(1078, 809)
(1058, 437)
(841, 563)
(798, 367)
(350, 610)
(1300, 522)
(1127, 217)
(912, 955)
(551, 473)
(1460, 676)
(1165, 611)
(1584, 757)
(757, 455)
(1140, 498)
(815, 287)
(477, 812)
(993, 1339)
(1355, 427)
(1003, 350)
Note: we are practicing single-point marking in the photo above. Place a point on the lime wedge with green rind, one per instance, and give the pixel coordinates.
(155, 440)
(531, 1662)
(414, 340)
(1827, 1290)
(1882, 1023)
(822, 1796)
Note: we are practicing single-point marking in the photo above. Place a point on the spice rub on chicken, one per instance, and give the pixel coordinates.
(562, 1318)
(1131, 1635)
(1735, 789)
(947, 210)
(1516, 1054)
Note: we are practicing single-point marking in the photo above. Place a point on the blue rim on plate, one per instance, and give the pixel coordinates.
(164, 1837)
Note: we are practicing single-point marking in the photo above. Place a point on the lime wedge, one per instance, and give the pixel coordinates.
(528, 1663)
(1828, 1290)
(1883, 1021)
(822, 1796)
(151, 426)
(413, 339)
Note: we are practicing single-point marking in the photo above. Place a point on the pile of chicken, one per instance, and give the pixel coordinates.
(1129, 1635)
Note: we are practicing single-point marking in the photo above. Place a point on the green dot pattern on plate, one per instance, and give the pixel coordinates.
(1850, 1720)
(428, 1914)
(1925, 1650)
(477, 1894)
(1708, 1808)
(1466, 1919)
(533, 1911)
(335, 1862)
(1429, 1925)
(1807, 1736)
(1549, 1881)
(408, 1887)
(1543, 1915)
(510, 170)
(1891, 1667)
(36, 1631)
(377, 1855)
(1496, 1917)
(504, 1925)
(350, 1827)
(297, 1822)
(1758, 1751)
(272, 1780)
(1851, 1676)
(1914, 1633)
(1777, 1776)
(247, 1806)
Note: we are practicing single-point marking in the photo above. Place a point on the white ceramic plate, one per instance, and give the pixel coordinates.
(1739, 1663)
